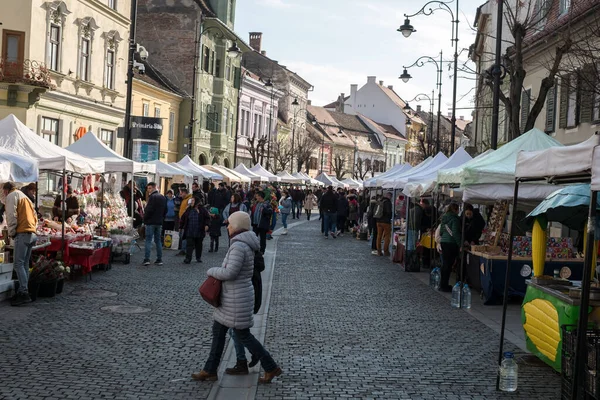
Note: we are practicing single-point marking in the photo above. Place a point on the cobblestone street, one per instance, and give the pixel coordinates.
(341, 322)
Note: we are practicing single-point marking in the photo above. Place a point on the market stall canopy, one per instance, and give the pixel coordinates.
(352, 183)
(17, 168)
(421, 183)
(19, 139)
(228, 175)
(326, 179)
(399, 178)
(499, 166)
(259, 170)
(308, 179)
(569, 206)
(449, 176)
(242, 169)
(561, 162)
(190, 166)
(373, 182)
(91, 147)
(168, 171)
(287, 178)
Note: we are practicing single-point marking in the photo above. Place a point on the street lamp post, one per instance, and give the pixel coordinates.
(420, 97)
(407, 29)
(406, 77)
(354, 158)
(295, 104)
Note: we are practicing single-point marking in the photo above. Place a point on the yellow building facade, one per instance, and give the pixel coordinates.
(63, 67)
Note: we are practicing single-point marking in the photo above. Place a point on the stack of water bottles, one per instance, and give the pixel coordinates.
(435, 278)
(461, 296)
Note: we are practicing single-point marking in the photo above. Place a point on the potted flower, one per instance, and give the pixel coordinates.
(47, 274)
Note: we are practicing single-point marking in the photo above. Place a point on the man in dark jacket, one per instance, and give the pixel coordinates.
(297, 199)
(384, 225)
(474, 224)
(154, 216)
(329, 207)
(222, 198)
(343, 209)
(261, 219)
(195, 223)
(198, 193)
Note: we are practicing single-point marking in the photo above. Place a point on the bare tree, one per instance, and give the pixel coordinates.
(303, 149)
(282, 154)
(361, 169)
(338, 164)
(256, 148)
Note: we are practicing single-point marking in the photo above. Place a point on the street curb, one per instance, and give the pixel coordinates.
(245, 386)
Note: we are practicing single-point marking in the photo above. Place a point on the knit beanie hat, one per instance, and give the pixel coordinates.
(214, 210)
(239, 221)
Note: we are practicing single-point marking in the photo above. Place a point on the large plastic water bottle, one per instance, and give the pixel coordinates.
(435, 278)
(456, 295)
(466, 297)
(509, 371)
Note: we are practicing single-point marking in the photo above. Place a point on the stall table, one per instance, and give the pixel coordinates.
(56, 245)
(492, 273)
(89, 258)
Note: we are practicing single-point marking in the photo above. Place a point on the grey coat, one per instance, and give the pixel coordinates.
(237, 293)
(286, 204)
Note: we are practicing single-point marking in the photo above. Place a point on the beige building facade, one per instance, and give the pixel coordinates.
(63, 67)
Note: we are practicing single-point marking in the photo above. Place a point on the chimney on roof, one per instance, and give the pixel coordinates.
(391, 87)
(418, 108)
(263, 52)
(340, 105)
(309, 102)
(371, 79)
(256, 41)
(380, 83)
(353, 90)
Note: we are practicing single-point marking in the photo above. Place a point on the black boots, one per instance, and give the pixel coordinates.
(241, 368)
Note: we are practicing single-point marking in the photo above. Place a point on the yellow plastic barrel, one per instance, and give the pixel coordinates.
(538, 246)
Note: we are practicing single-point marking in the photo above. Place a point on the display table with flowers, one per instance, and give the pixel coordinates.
(89, 254)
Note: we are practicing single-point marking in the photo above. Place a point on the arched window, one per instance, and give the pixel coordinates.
(202, 159)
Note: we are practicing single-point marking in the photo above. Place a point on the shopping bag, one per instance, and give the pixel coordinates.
(171, 240)
(210, 291)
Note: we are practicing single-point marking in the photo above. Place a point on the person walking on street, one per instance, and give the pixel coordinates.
(342, 212)
(261, 219)
(154, 217)
(329, 207)
(297, 199)
(384, 224)
(309, 203)
(285, 208)
(237, 302)
(198, 193)
(186, 196)
(372, 224)
(353, 208)
(214, 229)
(195, 224)
(169, 223)
(21, 221)
(450, 242)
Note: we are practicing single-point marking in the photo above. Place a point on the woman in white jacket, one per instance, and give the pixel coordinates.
(237, 301)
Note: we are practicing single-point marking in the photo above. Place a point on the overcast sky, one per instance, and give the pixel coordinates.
(335, 43)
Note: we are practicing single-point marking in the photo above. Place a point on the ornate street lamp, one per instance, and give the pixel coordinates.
(406, 28)
(405, 76)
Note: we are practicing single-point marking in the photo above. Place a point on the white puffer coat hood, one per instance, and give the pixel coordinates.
(237, 293)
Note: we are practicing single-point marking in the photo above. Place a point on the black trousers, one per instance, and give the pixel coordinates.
(191, 244)
(374, 239)
(341, 223)
(308, 212)
(262, 234)
(450, 252)
(214, 243)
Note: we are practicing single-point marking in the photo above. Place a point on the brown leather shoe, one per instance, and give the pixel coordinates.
(204, 376)
(387, 254)
(241, 368)
(268, 377)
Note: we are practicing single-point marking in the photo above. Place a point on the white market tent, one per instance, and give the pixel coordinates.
(169, 171)
(352, 183)
(421, 183)
(259, 170)
(243, 170)
(307, 179)
(492, 177)
(91, 147)
(17, 138)
(376, 181)
(287, 178)
(228, 175)
(435, 164)
(17, 168)
(190, 166)
(449, 176)
(329, 180)
(393, 179)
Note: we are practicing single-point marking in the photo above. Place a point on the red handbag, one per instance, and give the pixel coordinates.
(210, 291)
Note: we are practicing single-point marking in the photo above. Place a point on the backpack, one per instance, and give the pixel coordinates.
(378, 213)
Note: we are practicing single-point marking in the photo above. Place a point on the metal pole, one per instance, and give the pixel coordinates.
(270, 120)
(128, 145)
(462, 257)
(455, 26)
(237, 122)
(102, 201)
(439, 85)
(192, 123)
(581, 350)
(293, 133)
(64, 211)
(496, 73)
(322, 151)
(507, 279)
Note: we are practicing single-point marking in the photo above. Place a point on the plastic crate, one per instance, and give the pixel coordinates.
(592, 374)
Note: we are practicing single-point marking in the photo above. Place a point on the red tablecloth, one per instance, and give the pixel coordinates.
(93, 258)
(56, 244)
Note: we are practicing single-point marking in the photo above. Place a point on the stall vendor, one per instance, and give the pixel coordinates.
(72, 205)
(126, 195)
(474, 224)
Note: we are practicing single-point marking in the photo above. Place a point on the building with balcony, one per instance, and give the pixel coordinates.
(63, 67)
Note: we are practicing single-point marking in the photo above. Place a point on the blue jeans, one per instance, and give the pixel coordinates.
(240, 351)
(245, 338)
(330, 223)
(153, 232)
(273, 221)
(411, 240)
(22, 254)
(284, 218)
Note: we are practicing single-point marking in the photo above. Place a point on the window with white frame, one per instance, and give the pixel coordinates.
(106, 137)
(171, 126)
(225, 120)
(227, 69)
(109, 81)
(54, 46)
(84, 60)
(260, 125)
(156, 111)
(247, 123)
(145, 109)
(243, 123)
(255, 125)
(49, 129)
